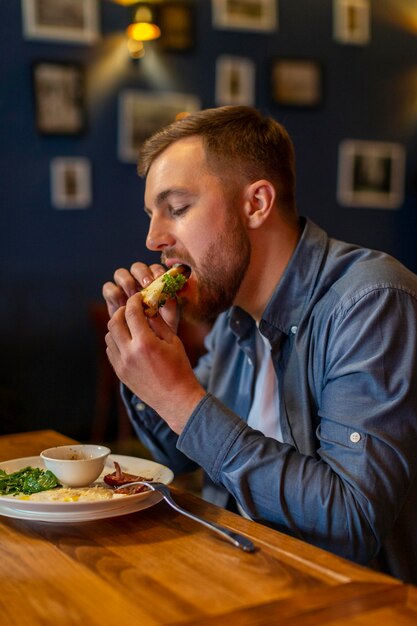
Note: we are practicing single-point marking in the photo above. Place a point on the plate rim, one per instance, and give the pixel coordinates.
(72, 518)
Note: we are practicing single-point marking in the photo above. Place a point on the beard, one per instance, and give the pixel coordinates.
(220, 273)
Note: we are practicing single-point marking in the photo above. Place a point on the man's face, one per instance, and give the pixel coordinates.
(195, 222)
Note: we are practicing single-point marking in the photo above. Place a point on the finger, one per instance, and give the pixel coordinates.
(114, 297)
(124, 279)
(112, 349)
(135, 318)
(157, 269)
(118, 328)
(112, 352)
(139, 323)
(145, 274)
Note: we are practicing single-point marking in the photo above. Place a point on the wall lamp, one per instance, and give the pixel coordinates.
(143, 28)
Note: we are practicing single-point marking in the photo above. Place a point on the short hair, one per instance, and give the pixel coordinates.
(238, 142)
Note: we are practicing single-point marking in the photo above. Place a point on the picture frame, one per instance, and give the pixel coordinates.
(296, 82)
(69, 21)
(352, 21)
(249, 15)
(371, 174)
(235, 81)
(71, 183)
(177, 23)
(59, 93)
(141, 113)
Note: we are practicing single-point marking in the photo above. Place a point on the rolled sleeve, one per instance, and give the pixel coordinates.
(212, 428)
(155, 434)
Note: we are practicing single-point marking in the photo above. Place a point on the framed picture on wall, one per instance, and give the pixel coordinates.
(351, 21)
(70, 183)
(142, 113)
(371, 174)
(235, 81)
(176, 21)
(71, 21)
(59, 92)
(252, 15)
(296, 82)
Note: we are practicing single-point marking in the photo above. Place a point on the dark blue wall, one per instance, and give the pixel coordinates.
(53, 263)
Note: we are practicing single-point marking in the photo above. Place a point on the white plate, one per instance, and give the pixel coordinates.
(86, 511)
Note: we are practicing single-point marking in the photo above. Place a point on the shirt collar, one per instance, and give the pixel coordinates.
(289, 300)
(294, 290)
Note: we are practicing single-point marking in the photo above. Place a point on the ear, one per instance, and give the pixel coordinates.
(259, 201)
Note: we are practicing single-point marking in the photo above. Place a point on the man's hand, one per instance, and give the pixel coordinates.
(149, 358)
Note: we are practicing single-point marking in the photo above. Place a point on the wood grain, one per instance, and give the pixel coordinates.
(156, 567)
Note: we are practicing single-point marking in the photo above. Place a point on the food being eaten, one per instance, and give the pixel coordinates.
(163, 288)
(119, 478)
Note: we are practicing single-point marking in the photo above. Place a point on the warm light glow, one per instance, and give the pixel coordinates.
(136, 49)
(107, 73)
(143, 31)
(127, 3)
(403, 14)
(181, 116)
(143, 14)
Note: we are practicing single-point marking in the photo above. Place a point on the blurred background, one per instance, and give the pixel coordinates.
(74, 107)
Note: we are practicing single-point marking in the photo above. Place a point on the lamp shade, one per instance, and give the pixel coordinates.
(143, 31)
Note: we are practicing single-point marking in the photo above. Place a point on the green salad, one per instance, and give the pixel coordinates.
(27, 481)
(173, 284)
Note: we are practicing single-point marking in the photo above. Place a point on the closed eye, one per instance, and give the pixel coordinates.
(177, 212)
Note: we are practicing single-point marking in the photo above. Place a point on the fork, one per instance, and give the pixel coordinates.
(239, 541)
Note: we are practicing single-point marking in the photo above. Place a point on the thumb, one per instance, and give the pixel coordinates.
(170, 313)
(161, 328)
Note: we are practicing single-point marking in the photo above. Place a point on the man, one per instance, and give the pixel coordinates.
(303, 412)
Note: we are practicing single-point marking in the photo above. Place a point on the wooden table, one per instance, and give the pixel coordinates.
(158, 567)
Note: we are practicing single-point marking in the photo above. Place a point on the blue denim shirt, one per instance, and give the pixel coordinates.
(342, 324)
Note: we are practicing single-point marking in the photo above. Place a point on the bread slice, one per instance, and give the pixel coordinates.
(164, 288)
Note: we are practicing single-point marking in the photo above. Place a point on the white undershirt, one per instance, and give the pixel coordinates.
(264, 413)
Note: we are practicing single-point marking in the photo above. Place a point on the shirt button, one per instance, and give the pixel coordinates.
(140, 406)
(355, 437)
(294, 329)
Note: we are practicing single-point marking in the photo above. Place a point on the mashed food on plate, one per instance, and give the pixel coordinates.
(71, 494)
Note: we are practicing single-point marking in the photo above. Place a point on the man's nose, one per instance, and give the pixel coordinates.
(159, 236)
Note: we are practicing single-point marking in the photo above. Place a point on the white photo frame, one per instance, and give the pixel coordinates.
(235, 81)
(250, 15)
(352, 21)
(142, 113)
(71, 183)
(371, 174)
(69, 21)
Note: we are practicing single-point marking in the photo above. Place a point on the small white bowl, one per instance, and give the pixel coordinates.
(76, 465)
